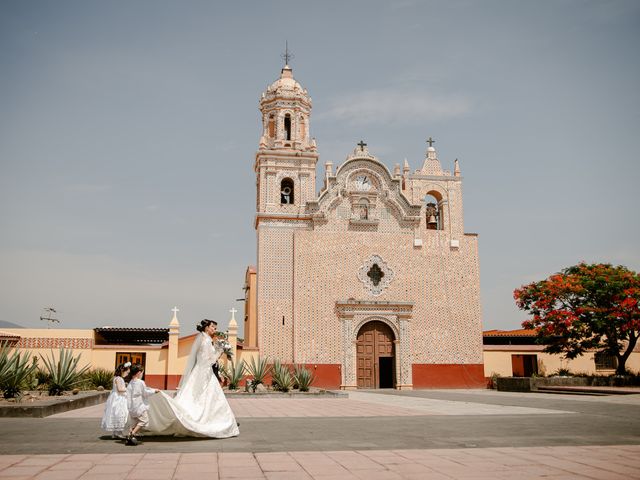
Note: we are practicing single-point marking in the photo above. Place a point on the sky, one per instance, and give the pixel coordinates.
(129, 128)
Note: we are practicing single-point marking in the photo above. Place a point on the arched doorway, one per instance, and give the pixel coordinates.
(376, 356)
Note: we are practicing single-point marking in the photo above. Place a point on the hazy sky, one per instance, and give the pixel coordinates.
(128, 131)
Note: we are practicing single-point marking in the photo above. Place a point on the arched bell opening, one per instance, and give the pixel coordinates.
(434, 212)
(271, 126)
(287, 127)
(286, 192)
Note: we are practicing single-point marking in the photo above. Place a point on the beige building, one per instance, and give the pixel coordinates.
(161, 351)
(514, 353)
(373, 281)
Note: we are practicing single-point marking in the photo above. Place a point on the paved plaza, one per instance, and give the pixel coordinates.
(422, 434)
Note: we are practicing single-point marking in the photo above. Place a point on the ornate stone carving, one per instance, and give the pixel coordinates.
(376, 275)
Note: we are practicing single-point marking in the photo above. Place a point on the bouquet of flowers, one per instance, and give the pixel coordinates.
(225, 345)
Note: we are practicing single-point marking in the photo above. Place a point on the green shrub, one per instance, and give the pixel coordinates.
(493, 380)
(303, 378)
(64, 372)
(234, 373)
(281, 378)
(258, 369)
(42, 378)
(562, 372)
(16, 371)
(100, 377)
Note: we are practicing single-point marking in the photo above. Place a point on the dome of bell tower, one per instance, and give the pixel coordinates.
(286, 107)
(286, 83)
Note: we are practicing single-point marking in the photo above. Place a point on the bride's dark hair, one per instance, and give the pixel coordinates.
(204, 324)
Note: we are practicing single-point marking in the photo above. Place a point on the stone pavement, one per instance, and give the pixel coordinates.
(434, 434)
(557, 463)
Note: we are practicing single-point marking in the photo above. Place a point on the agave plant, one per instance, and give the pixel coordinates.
(303, 377)
(64, 372)
(234, 373)
(4, 359)
(42, 378)
(259, 370)
(100, 377)
(282, 380)
(16, 372)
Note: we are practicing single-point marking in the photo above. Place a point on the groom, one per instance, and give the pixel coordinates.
(215, 367)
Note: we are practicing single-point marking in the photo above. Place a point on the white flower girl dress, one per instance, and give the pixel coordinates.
(116, 412)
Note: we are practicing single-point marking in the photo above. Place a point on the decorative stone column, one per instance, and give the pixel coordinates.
(404, 372)
(349, 380)
(172, 373)
(232, 333)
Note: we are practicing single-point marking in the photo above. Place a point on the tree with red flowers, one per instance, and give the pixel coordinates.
(585, 308)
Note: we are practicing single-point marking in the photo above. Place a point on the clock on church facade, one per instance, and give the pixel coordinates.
(370, 282)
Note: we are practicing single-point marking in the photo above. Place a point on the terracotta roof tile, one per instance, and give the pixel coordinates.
(510, 333)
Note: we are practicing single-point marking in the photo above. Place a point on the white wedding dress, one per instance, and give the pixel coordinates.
(200, 408)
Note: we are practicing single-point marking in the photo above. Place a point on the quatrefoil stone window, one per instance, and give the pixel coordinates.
(375, 274)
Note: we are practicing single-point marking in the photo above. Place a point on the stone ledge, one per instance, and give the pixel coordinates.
(594, 385)
(51, 407)
(295, 394)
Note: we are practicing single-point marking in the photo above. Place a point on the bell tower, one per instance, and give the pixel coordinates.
(285, 167)
(286, 159)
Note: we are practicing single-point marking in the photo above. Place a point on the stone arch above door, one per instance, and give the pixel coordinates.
(376, 318)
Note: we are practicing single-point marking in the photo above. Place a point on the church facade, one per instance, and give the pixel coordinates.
(372, 282)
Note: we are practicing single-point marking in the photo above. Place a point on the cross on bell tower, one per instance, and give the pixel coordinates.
(286, 55)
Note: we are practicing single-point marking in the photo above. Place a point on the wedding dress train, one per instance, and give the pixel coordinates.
(200, 408)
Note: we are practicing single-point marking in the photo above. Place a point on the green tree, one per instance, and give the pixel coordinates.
(587, 307)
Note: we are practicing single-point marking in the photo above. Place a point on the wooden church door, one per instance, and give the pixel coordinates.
(375, 356)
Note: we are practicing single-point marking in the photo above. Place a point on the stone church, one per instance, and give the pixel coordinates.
(372, 282)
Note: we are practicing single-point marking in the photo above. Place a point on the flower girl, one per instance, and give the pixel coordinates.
(138, 394)
(116, 412)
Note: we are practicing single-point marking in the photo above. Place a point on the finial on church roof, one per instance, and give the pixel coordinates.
(431, 165)
(361, 151)
(286, 55)
(174, 320)
(456, 168)
(405, 167)
(431, 151)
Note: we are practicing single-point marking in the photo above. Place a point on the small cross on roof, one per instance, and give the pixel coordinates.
(286, 55)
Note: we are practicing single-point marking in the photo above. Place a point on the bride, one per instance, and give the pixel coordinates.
(200, 408)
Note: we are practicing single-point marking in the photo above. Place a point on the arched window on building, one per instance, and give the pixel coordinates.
(271, 127)
(286, 191)
(287, 127)
(433, 211)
